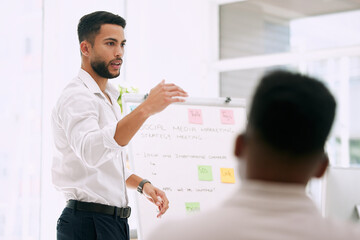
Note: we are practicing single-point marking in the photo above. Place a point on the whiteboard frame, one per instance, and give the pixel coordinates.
(234, 102)
(139, 98)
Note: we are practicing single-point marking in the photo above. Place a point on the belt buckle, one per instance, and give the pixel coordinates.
(124, 212)
(128, 212)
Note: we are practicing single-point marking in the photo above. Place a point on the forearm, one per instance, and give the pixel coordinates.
(133, 181)
(130, 124)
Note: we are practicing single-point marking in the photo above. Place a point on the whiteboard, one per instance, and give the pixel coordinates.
(188, 152)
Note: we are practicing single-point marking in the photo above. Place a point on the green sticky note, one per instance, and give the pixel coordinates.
(192, 207)
(205, 173)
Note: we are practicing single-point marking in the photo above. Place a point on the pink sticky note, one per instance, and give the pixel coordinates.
(195, 116)
(227, 116)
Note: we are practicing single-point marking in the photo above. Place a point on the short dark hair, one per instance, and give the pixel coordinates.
(292, 113)
(90, 24)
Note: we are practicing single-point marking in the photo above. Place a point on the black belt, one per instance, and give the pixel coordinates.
(99, 208)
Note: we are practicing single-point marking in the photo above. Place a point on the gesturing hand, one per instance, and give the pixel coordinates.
(162, 95)
(156, 196)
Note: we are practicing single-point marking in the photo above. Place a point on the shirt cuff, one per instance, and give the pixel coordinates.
(109, 133)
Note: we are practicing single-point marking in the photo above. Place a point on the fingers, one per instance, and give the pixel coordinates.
(159, 202)
(150, 199)
(161, 96)
(172, 91)
(164, 203)
(157, 197)
(160, 84)
(174, 100)
(153, 198)
(176, 94)
(173, 87)
(170, 87)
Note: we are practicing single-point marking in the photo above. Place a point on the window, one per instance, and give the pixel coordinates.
(319, 39)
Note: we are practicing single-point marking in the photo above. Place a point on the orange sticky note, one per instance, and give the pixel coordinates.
(195, 116)
(227, 175)
(227, 116)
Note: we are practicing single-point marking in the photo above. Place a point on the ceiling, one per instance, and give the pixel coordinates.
(292, 9)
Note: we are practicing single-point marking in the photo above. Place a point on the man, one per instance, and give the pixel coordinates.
(281, 150)
(89, 164)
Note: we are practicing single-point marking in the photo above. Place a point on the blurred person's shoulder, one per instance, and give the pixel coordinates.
(215, 224)
(234, 221)
(335, 229)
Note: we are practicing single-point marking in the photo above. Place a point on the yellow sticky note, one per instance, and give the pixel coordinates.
(227, 175)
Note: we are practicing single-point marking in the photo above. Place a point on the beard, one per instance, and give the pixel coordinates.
(102, 69)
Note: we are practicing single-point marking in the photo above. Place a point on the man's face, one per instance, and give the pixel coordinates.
(108, 50)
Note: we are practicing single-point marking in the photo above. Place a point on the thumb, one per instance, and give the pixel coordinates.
(160, 83)
(154, 198)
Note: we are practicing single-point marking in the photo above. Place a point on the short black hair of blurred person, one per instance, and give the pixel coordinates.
(90, 24)
(292, 113)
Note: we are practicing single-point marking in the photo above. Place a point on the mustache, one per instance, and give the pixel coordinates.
(117, 59)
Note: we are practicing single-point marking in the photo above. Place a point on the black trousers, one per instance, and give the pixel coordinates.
(84, 225)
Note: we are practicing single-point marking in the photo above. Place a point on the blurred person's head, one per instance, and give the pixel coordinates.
(102, 41)
(289, 121)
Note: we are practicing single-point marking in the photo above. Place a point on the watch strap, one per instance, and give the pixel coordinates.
(141, 185)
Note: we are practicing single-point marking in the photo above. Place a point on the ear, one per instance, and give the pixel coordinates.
(324, 163)
(85, 47)
(239, 145)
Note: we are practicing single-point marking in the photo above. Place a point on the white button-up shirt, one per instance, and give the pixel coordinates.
(88, 164)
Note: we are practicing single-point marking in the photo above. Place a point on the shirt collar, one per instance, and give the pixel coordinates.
(274, 196)
(251, 187)
(91, 84)
(273, 187)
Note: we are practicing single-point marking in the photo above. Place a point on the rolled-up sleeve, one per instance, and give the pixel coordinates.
(109, 133)
(80, 119)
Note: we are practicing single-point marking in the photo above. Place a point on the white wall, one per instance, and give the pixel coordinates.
(172, 40)
(20, 118)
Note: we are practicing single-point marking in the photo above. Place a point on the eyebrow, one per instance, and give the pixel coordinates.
(113, 39)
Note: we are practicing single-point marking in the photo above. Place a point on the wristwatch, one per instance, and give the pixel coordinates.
(141, 185)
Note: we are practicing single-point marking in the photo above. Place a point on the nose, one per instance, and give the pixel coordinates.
(119, 51)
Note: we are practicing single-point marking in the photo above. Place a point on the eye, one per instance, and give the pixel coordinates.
(110, 43)
(123, 44)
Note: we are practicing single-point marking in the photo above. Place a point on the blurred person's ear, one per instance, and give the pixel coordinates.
(322, 166)
(240, 145)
